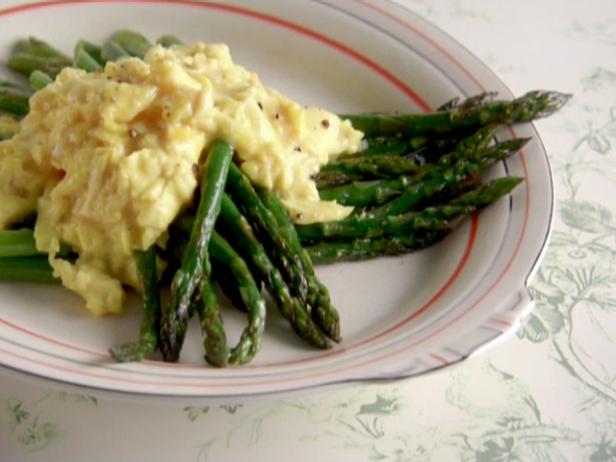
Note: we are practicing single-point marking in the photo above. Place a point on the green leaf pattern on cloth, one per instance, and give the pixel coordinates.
(547, 395)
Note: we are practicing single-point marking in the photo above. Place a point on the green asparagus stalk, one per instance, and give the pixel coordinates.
(433, 218)
(362, 194)
(132, 42)
(17, 243)
(449, 104)
(251, 338)
(27, 269)
(13, 103)
(468, 103)
(150, 321)
(39, 80)
(267, 230)
(237, 228)
(392, 147)
(88, 57)
(363, 249)
(36, 47)
(31, 55)
(442, 177)
(93, 51)
(195, 263)
(323, 312)
(330, 179)
(15, 87)
(168, 40)
(532, 105)
(215, 339)
(361, 167)
(113, 51)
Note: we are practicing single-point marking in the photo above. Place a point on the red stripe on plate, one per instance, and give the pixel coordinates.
(301, 30)
(426, 38)
(439, 358)
(394, 81)
(263, 17)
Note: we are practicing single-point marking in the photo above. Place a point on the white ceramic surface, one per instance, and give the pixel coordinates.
(400, 316)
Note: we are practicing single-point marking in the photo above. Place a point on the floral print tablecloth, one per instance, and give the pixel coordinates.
(548, 394)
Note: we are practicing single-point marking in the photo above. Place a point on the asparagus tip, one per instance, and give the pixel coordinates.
(515, 144)
(502, 186)
(551, 101)
(477, 100)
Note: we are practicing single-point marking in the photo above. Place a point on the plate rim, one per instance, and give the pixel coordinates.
(441, 35)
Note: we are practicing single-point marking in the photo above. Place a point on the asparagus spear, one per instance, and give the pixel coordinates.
(215, 341)
(13, 102)
(449, 104)
(150, 321)
(237, 228)
(391, 147)
(195, 263)
(168, 40)
(361, 167)
(112, 51)
(266, 228)
(363, 249)
(437, 217)
(20, 243)
(92, 50)
(26, 64)
(366, 193)
(370, 193)
(442, 177)
(17, 243)
(132, 42)
(16, 87)
(325, 180)
(88, 57)
(39, 80)
(323, 312)
(532, 105)
(250, 340)
(27, 269)
(32, 54)
(470, 102)
(36, 47)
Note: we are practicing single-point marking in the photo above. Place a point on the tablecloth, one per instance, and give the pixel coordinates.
(547, 394)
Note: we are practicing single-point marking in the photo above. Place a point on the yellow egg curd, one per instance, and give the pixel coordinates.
(108, 160)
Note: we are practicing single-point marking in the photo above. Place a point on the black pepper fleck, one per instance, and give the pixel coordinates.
(298, 149)
(325, 123)
(260, 105)
(277, 116)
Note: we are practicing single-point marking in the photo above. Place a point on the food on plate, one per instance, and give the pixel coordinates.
(145, 165)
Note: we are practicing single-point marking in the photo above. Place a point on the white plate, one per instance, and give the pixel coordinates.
(400, 316)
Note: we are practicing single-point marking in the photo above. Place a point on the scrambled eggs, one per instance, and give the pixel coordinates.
(8, 126)
(107, 160)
